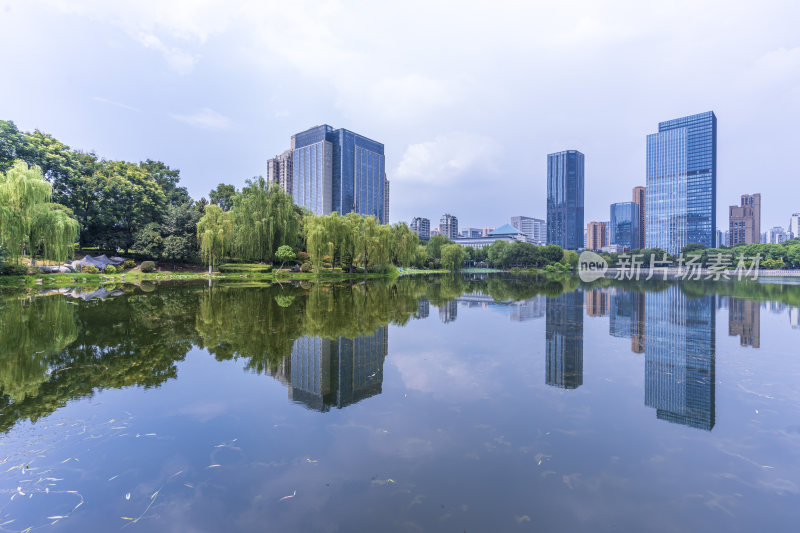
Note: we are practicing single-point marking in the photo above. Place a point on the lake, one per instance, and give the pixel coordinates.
(443, 403)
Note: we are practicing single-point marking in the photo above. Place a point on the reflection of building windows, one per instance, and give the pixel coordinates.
(744, 320)
(679, 357)
(626, 317)
(596, 302)
(423, 309)
(564, 334)
(327, 373)
(448, 312)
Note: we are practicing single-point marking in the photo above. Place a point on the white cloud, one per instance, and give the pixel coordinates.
(206, 119)
(115, 103)
(179, 60)
(446, 159)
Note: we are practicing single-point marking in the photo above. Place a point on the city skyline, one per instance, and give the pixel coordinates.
(611, 84)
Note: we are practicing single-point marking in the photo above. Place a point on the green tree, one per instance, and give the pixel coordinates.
(10, 141)
(264, 220)
(223, 196)
(453, 256)
(285, 253)
(167, 178)
(434, 246)
(149, 241)
(215, 233)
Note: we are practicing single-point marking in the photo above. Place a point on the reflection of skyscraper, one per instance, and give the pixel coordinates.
(448, 311)
(529, 309)
(794, 317)
(339, 372)
(564, 333)
(638, 324)
(596, 302)
(744, 319)
(423, 308)
(623, 316)
(679, 358)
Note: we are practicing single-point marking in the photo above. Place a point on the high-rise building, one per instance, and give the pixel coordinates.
(640, 199)
(777, 235)
(624, 226)
(422, 227)
(565, 199)
(339, 170)
(564, 338)
(794, 226)
(279, 171)
(471, 233)
(596, 236)
(680, 357)
(448, 226)
(745, 220)
(681, 191)
(533, 228)
(385, 199)
(744, 320)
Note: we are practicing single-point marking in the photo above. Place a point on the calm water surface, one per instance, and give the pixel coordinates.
(440, 404)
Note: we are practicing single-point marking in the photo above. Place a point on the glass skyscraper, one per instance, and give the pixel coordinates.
(565, 199)
(682, 183)
(338, 170)
(624, 226)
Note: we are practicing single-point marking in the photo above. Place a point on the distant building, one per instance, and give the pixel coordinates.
(721, 238)
(435, 231)
(640, 199)
(279, 171)
(612, 249)
(534, 228)
(448, 226)
(745, 220)
(682, 183)
(486, 231)
(565, 199)
(422, 227)
(469, 233)
(596, 236)
(339, 170)
(794, 226)
(385, 199)
(777, 235)
(624, 226)
(503, 233)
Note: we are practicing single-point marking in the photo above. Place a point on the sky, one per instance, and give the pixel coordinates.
(467, 97)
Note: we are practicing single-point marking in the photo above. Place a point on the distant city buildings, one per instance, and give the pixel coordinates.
(534, 228)
(624, 225)
(794, 226)
(682, 183)
(422, 227)
(448, 226)
(744, 225)
(336, 170)
(279, 171)
(505, 233)
(435, 231)
(640, 199)
(565, 180)
(776, 235)
(486, 231)
(470, 233)
(564, 338)
(596, 236)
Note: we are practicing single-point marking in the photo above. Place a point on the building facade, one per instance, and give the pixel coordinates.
(279, 171)
(681, 205)
(534, 228)
(596, 237)
(640, 199)
(565, 178)
(339, 170)
(448, 226)
(777, 235)
(624, 225)
(794, 226)
(422, 227)
(744, 226)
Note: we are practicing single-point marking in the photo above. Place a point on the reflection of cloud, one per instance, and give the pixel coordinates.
(444, 375)
(206, 118)
(446, 159)
(203, 411)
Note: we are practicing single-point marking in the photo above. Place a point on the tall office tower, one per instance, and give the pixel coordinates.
(533, 228)
(596, 236)
(624, 227)
(681, 194)
(744, 320)
(565, 199)
(448, 226)
(596, 302)
(385, 199)
(794, 226)
(338, 170)
(680, 357)
(422, 227)
(564, 334)
(745, 221)
(279, 171)
(339, 372)
(640, 199)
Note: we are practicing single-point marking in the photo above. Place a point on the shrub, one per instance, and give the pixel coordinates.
(110, 269)
(90, 269)
(303, 257)
(305, 267)
(147, 266)
(245, 268)
(128, 263)
(12, 270)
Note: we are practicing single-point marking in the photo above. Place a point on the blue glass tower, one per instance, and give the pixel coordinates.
(624, 226)
(565, 199)
(682, 183)
(339, 170)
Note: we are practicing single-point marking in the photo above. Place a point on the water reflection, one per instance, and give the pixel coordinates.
(744, 320)
(564, 334)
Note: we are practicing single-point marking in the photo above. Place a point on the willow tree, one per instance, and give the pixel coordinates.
(215, 233)
(404, 244)
(29, 220)
(264, 220)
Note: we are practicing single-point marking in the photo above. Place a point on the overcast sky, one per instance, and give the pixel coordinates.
(467, 97)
